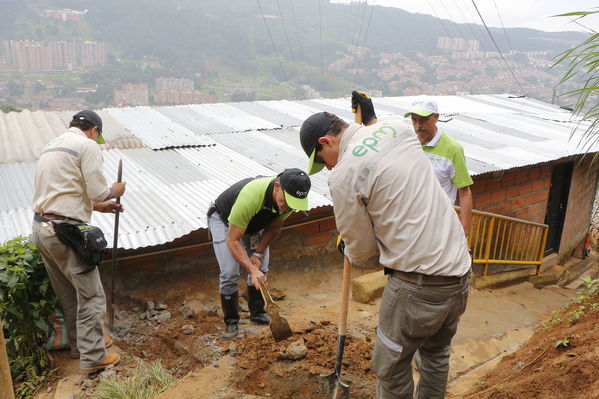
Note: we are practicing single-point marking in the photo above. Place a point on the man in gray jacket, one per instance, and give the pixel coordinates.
(387, 201)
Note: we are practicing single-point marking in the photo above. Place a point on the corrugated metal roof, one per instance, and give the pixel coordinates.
(168, 191)
(155, 129)
(202, 149)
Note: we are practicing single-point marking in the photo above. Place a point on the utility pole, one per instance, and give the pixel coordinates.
(6, 390)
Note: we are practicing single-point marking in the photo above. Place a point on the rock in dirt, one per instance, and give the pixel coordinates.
(188, 329)
(277, 294)
(186, 311)
(211, 309)
(251, 331)
(107, 374)
(163, 316)
(296, 350)
(149, 305)
(160, 306)
(88, 384)
(244, 308)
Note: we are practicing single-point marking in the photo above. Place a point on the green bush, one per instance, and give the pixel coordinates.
(26, 300)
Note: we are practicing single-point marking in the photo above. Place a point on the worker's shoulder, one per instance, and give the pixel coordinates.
(256, 186)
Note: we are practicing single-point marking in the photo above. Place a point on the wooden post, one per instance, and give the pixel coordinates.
(6, 390)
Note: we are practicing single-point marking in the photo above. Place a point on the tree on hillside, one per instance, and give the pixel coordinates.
(582, 62)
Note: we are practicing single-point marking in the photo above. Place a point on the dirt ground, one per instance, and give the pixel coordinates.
(184, 334)
(541, 370)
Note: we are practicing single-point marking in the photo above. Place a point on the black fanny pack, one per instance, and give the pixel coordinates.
(88, 241)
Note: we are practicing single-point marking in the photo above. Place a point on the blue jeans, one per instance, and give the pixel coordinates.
(229, 267)
(416, 317)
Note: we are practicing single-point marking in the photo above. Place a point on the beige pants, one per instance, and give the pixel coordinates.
(80, 295)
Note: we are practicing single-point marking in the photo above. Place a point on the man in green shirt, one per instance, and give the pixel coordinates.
(243, 221)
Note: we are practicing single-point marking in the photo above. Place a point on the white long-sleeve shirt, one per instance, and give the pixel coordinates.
(387, 199)
(69, 177)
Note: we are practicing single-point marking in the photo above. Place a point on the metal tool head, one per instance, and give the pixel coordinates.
(279, 326)
(333, 387)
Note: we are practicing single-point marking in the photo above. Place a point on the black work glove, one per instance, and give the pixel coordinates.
(340, 244)
(360, 98)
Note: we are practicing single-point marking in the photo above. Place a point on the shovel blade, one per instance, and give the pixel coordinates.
(279, 327)
(333, 387)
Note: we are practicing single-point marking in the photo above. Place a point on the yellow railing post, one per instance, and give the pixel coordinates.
(488, 246)
(542, 250)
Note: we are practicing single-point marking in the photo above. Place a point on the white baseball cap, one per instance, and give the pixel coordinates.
(423, 107)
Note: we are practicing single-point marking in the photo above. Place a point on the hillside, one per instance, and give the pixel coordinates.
(308, 50)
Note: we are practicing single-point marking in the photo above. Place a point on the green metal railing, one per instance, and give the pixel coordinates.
(497, 239)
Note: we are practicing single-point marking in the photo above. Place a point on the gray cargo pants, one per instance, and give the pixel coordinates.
(229, 267)
(416, 317)
(80, 295)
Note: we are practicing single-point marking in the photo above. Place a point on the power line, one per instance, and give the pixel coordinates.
(480, 34)
(299, 42)
(364, 41)
(503, 27)
(439, 19)
(497, 47)
(469, 25)
(287, 37)
(356, 41)
(321, 47)
(272, 41)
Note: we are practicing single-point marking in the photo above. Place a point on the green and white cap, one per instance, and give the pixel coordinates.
(424, 107)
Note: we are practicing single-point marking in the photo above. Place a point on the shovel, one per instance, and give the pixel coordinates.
(279, 327)
(333, 386)
(114, 249)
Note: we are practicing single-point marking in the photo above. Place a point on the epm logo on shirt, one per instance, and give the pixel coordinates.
(372, 142)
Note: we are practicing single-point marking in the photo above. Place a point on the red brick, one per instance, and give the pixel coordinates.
(328, 225)
(308, 229)
(319, 238)
(498, 196)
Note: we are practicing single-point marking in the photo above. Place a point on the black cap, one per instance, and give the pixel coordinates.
(312, 129)
(296, 185)
(90, 116)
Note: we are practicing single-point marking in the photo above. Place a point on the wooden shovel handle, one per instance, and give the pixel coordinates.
(344, 295)
(265, 294)
(358, 115)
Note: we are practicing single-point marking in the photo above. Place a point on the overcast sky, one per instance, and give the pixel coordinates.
(514, 13)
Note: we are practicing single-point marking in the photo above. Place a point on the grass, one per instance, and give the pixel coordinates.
(147, 381)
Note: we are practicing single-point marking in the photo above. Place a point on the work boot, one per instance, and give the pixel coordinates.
(256, 305)
(230, 306)
(109, 359)
(107, 343)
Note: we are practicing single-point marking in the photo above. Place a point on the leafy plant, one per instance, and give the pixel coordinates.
(26, 300)
(575, 315)
(146, 382)
(582, 62)
(564, 342)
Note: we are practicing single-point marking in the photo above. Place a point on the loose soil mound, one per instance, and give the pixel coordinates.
(543, 371)
(265, 371)
(261, 369)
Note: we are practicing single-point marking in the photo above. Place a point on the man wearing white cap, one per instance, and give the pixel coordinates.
(446, 156)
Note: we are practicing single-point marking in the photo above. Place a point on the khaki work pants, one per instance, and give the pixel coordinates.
(80, 294)
(416, 317)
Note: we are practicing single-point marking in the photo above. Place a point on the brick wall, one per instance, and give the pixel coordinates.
(523, 193)
(307, 242)
(580, 203)
(520, 193)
